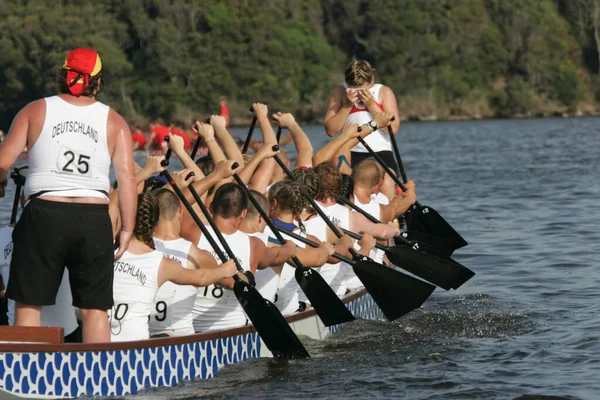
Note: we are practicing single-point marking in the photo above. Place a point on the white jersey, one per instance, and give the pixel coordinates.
(373, 208)
(289, 293)
(267, 280)
(174, 304)
(381, 198)
(340, 216)
(378, 140)
(70, 158)
(332, 273)
(61, 314)
(134, 288)
(217, 308)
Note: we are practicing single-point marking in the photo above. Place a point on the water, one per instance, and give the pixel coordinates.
(524, 195)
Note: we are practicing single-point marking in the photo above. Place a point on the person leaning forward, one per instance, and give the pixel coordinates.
(72, 140)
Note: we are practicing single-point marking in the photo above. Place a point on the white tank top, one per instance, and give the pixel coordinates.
(288, 291)
(61, 314)
(373, 208)
(71, 157)
(134, 288)
(215, 307)
(267, 280)
(332, 273)
(173, 304)
(378, 140)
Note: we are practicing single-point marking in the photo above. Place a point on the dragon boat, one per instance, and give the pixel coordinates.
(35, 363)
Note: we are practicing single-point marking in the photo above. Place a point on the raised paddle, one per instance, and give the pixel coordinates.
(322, 298)
(19, 180)
(266, 318)
(197, 144)
(421, 218)
(428, 263)
(250, 132)
(395, 293)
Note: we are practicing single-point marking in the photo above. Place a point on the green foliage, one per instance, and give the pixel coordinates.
(173, 58)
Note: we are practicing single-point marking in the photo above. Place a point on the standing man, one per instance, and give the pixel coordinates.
(72, 139)
(224, 109)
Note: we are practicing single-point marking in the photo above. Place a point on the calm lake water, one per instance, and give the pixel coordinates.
(524, 194)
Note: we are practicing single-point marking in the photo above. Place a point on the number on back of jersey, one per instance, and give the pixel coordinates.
(213, 291)
(73, 162)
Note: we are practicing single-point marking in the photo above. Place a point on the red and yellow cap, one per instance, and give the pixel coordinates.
(81, 64)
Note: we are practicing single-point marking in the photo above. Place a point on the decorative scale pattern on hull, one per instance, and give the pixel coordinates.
(122, 372)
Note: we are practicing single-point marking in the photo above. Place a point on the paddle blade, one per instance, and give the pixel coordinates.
(443, 245)
(443, 272)
(322, 298)
(269, 323)
(395, 293)
(426, 219)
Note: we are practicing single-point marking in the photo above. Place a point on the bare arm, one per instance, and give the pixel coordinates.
(264, 154)
(359, 223)
(303, 145)
(170, 270)
(399, 204)
(349, 133)
(338, 109)
(122, 159)
(390, 104)
(317, 256)
(262, 257)
(231, 148)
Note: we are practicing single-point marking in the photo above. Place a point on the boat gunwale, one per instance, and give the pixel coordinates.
(156, 342)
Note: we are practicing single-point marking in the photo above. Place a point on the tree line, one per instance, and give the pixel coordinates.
(444, 59)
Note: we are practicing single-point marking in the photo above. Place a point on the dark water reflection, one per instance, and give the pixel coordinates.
(525, 196)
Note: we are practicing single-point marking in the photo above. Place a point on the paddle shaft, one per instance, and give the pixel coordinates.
(382, 163)
(315, 245)
(214, 227)
(250, 132)
(15, 208)
(266, 217)
(197, 144)
(397, 153)
(313, 203)
(279, 130)
(356, 236)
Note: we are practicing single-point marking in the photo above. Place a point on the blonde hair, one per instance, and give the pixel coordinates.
(359, 72)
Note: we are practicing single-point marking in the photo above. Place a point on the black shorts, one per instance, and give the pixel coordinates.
(53, 235)
(387, 156)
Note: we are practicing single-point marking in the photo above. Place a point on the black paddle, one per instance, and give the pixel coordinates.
(279, 130)
(395, 293)
(20, 182)
(323, 299)
(421, 218)
(250, 132)
(428, 263)
(266, 318)
(197, 144)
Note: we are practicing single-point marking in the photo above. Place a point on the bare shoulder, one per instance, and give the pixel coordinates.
(36, 107)
(116, 122)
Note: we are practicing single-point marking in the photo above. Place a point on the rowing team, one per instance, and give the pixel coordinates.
(169, 281)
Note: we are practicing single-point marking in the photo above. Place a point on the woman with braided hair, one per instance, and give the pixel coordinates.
(357, 102)
(142, 270)
(285, 205)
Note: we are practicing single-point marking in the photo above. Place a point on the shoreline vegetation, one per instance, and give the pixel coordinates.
(444, 59)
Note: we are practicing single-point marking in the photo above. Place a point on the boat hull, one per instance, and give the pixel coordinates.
(118, 369)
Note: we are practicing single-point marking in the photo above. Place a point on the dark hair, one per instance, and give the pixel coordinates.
(168, 203)
(347, 187)
(230, 200)
(146, 218)
(262, 201)
(331, 181)
(309, 179)
(359, 72)
(94, 83)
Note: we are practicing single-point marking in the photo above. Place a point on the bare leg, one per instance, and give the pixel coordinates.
(95, 326)
(27, 315)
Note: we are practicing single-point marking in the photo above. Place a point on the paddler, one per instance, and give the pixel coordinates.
(72, 139)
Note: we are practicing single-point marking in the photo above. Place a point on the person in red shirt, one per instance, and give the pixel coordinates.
(158, 132)
(175, 130)
(224, 109)
(138, 138)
